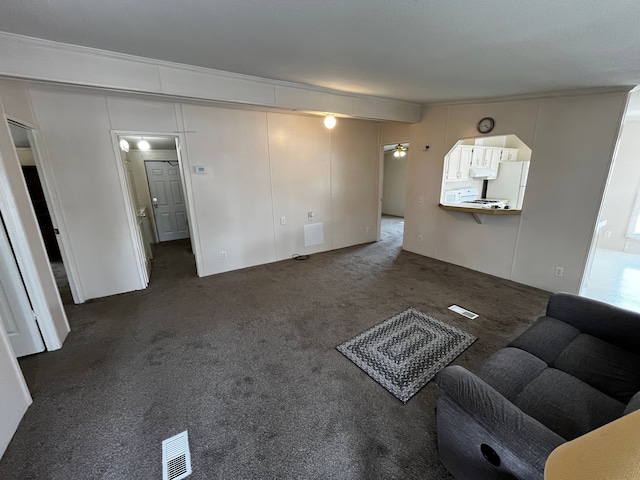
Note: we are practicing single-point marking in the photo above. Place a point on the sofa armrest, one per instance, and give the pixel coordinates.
(612, 324)
(514, 434)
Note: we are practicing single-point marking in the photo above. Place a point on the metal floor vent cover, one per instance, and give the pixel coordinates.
(176, 458)
(463, 311)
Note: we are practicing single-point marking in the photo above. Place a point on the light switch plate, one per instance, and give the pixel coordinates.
(199, 169)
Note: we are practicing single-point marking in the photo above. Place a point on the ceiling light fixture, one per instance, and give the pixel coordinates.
(124, 145)
(329, 121)
(144, 145)
(400, 151)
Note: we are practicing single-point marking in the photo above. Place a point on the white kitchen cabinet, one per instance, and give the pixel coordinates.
(477, 156)
(492, 156)
(466, 153)
(458, 163)
(451, 165)
(509, 154)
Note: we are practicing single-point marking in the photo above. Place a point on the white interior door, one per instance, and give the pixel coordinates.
(169, 207)
(15, 309)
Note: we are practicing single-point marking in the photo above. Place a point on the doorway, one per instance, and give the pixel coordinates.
(395, 163)
(612, 274)
(154, 180)
(27, 156)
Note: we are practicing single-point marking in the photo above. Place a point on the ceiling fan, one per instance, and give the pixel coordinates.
(399, 151)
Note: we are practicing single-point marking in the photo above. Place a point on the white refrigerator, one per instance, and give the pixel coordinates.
(510, 183)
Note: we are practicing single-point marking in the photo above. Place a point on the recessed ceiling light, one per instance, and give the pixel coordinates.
(124, 145)
(143, 145)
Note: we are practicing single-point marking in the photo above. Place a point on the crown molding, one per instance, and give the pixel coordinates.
(535, 96)
(41, 60)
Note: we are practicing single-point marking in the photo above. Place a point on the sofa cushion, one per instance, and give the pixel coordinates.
(567, 405)
(602, 365)
(633, 405)
(546, 338)
(510, 369)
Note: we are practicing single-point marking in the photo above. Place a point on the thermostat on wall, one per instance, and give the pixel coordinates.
(201, 169)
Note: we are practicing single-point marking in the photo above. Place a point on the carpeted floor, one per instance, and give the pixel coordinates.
(62, 281)
(246, 361)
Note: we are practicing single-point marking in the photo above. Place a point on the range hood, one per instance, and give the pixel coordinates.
(479, 172)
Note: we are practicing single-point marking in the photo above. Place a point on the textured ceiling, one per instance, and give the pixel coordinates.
(421, 51)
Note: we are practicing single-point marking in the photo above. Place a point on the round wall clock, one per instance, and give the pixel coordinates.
(486, 125)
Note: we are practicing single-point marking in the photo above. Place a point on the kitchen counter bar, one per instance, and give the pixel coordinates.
(477, 211)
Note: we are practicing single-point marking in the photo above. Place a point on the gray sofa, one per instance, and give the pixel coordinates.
(574, 370)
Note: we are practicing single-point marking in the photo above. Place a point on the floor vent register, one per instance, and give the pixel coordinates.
(176, 458)
(463, 311)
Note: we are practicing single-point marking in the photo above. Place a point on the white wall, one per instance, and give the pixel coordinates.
(75, 129)
(572, 151)
(301, 170)
(22, 225)
(234, 210)
(261, 166)
(394, 191)
(355, 161)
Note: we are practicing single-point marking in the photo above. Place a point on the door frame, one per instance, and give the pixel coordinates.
(20, 241)
(129, 201)
(55, 210)
(381, 184)
(380, 190)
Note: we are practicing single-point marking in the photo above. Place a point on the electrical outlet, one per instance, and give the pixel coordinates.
(559, 272)
(310, 216)
(283, 220)
(419, 238)
(607, 234)
(223, 255)
(366, 229)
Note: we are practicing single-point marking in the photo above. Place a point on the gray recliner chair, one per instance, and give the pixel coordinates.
(574, 370)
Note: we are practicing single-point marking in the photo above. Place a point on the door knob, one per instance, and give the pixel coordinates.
(155, 202)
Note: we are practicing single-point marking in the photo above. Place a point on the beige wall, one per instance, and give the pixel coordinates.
(394, 132)
(394, 190)
(260, 167)
(623, 188)
(572, 150)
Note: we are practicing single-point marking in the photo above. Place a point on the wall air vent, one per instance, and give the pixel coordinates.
(176, 458)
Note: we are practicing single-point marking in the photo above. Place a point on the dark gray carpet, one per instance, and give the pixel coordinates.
(246, 361)
(406, 351)
(62, 281)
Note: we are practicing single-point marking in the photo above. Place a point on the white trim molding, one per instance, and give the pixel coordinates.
(43, 60)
